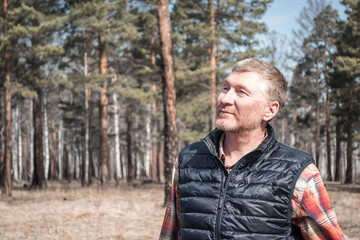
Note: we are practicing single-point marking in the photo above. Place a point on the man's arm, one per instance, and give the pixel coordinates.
(311, 208)
(171, 223)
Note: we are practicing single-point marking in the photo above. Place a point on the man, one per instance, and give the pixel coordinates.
(239, 182)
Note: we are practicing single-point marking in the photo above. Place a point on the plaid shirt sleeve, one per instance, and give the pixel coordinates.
(311, 207)
(171, 223)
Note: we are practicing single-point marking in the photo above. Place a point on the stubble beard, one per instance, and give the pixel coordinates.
(238, 125)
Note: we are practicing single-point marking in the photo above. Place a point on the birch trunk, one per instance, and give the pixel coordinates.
(45, 129)
(317, 137)
(130, 170)
(148, 142)
(86, 144)
(117, 136)
(14, 155)
(31, 141)
(20, 150)
(60, 149)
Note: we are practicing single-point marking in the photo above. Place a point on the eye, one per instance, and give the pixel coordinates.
(241, 92)
(225, 88)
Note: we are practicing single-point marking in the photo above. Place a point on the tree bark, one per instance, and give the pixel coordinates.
(328, 127)
(349, 163)
(154, 121)
(39, 173)
(20, 145)
(117, 136)
(60, 149)
(8, 143)
(31, 142)
(211, 51)
(45, 134)
(148, 145)
(317, 136)
(14, 147)
(338, 162)
(54, 155)
(103, 171)
(169, 96)
(130, 173)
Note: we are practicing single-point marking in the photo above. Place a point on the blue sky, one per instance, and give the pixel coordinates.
(281, 15)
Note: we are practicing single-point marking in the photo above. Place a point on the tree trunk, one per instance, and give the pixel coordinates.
(14, 147)
(39, 174)
(8, 143)
(169, 96)
(218, 57)
(349, 163)
(130, 174)
(211, 51)
(148, 145)
(31, 142)
(60, 149)
(45, 133)
(54, 155)
(103, 173)
(85, 177)
(20, 145)
(328, 137)
(117, 136)
(154, 121)
(26, 158)
(338, 162)
(317, 137)
(328, 127)
(91, 164)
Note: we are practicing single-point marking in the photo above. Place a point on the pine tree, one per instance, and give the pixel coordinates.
(317, 21)
(347, 62)
(106, 29)
(203, 28)
(169, 96)
(8, 128)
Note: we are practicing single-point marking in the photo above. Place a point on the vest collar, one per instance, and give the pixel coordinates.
(212, 141)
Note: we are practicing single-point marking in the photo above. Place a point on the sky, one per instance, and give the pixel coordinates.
(281, 15)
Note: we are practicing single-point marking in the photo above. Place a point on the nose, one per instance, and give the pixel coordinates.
(226, 98)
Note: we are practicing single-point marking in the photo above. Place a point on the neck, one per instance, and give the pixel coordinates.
(237, 145)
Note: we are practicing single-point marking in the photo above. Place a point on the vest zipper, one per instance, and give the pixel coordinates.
(220, 208)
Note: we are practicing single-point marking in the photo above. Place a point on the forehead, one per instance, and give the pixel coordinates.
(251, 81)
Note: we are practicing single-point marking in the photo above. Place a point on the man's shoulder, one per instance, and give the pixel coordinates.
(196, 147)
(290, 153)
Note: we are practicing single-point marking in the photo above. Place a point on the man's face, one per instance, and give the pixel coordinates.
(242, 103)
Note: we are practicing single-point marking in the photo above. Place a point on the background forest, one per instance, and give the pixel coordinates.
(84, 85)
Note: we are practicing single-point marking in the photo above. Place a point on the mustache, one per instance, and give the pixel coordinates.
(222, 107)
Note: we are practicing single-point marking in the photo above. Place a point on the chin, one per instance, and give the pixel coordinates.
(227, 127)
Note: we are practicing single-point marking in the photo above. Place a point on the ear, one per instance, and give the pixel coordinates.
(271, 110)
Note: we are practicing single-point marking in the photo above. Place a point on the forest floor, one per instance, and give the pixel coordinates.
(68, 211)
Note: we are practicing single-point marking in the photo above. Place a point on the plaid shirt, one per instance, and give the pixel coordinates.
(311, 208)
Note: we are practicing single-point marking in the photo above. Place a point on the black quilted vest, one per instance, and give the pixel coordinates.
(252, 202)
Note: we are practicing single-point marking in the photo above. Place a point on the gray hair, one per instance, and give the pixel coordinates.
(277, 87)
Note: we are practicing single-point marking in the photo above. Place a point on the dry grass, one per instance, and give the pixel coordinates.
(68, 211)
